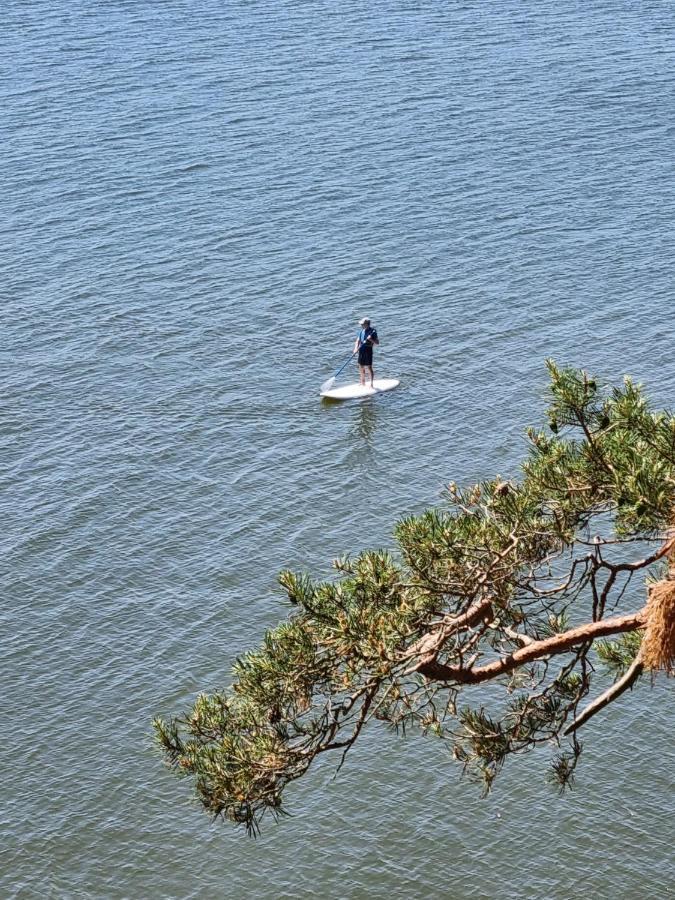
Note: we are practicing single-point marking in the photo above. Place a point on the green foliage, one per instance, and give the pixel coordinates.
(618, 655)
(563, 766)
(502, 567)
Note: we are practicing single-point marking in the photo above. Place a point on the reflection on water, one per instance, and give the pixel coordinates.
(364, 422)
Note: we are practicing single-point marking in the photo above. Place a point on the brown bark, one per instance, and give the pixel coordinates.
(616, 690)
(428, 646)
(558, 643)
(658, 646)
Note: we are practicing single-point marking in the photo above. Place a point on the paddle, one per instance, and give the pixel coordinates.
(327, 385)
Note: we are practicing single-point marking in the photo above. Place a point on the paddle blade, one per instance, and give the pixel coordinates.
(327, 385)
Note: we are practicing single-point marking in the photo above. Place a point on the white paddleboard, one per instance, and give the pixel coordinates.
(355, 391)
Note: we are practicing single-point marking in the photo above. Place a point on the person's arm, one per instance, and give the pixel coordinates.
(374, 339)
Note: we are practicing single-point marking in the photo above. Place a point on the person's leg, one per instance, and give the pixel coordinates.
(362, 374)
(372, 375)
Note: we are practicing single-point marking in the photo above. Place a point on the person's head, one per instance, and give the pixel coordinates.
(364, 323)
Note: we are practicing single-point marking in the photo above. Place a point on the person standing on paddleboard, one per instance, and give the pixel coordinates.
(366, 340)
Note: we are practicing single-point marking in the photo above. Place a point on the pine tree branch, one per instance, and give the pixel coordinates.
(517, 636)
(559, 643)
(428, 646)
(619, 687)
(663, 550)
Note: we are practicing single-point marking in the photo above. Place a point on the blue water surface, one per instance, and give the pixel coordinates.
(199, 201)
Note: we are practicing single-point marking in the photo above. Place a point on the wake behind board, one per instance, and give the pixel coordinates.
(356, 391)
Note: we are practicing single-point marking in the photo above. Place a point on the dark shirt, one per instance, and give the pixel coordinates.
(367, 336)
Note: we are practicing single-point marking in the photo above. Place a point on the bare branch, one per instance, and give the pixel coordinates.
(619, 687)
(663, 550)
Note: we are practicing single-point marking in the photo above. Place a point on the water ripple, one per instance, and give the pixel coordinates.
(198, 206)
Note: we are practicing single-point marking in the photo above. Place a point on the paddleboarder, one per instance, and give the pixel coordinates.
(366, 340)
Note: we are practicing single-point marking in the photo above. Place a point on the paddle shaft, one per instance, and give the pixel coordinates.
(345, 364)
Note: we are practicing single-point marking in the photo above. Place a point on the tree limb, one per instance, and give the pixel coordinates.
(663, 550)
(619, 687)
(559, 643)
(428, 646)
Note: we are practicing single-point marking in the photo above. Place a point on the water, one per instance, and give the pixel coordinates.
(198, 203)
